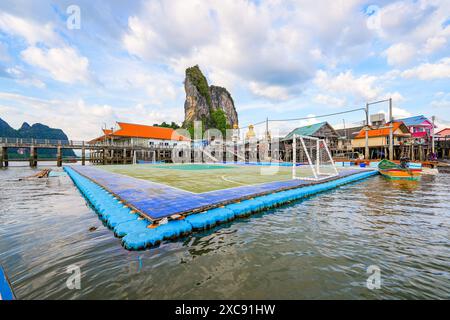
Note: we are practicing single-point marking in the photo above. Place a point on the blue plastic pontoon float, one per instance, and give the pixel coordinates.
(133, 218)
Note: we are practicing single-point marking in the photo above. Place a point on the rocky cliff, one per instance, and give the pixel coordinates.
(207, 103)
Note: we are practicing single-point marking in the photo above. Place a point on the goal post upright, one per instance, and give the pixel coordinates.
(321, 160)
(294, 156)
(318, 156)
(331, 159)
(308, 157)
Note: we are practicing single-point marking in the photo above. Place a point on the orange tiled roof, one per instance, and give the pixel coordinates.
(384, 131)
(148, 132)
(107, 131)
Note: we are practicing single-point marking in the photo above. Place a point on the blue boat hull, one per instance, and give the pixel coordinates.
(6, 292)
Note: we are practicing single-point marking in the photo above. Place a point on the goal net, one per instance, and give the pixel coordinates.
(312, 159)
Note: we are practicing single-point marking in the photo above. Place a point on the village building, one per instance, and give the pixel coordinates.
(344, 145)
(322, 130)
(442, 139)
(420, 128)
(421, 141)
(128, 134)
(444, 134)
(379, 140)
(151, 142)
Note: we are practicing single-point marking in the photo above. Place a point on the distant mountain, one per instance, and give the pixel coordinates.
(36, 131)
(6, 130)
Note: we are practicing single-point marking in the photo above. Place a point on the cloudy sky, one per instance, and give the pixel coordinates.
(279, 59)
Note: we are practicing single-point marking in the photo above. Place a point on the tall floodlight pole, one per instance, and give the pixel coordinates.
(366, 153)
(391, 132)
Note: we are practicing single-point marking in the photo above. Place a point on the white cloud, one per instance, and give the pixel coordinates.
(429, 71)
(32, 32)
(272, 44)
(397, 113)
(158, 89)
(397, 97)
(415, 29)
(169, 27)
(329, 100)
(23, 78)
(442, 101)
(269, 91)
(360, 88)
(434, 43)
(64, 64)
(80, 120)
(311, 120)
(440, 104)
(441, 124)
(400, 54)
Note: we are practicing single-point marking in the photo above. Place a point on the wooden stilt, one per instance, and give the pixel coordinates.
(83, 155)
(2, 157)
(5, 156)
(33, 157)
(59, 156)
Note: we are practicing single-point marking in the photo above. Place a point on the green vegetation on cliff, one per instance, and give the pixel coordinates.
(197, 78)
(219, 121)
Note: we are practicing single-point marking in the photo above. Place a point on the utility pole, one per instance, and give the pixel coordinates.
(391, 132)
(366, 153)
(433, 118)
(391, 145)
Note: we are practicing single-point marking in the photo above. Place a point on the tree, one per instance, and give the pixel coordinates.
(219, 121)
(172, 125)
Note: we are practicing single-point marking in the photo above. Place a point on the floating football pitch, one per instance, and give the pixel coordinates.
(162, 190)
(199, 178)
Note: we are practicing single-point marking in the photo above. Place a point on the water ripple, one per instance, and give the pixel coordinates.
(317, 248)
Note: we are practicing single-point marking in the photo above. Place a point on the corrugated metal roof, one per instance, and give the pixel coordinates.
(305, 131)
(383, 131)
(444, 132)
(142, 131)
(414, 121)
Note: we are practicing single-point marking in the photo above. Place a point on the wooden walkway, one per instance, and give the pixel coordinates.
(99, 153)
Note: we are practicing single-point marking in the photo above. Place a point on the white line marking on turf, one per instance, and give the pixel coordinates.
(242, 184)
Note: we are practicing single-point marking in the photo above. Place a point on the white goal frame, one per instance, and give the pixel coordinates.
(315, 168)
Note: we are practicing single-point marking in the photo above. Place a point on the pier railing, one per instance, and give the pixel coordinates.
(52, 143)
(39, 142)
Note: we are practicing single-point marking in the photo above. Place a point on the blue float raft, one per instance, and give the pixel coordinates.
(139, 233)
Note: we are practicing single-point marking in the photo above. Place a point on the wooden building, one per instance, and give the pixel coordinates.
(442, 139)
(322, 130)
(150, 143)
(379, 140)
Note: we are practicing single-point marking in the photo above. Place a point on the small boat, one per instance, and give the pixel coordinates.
(394, 171)
(6, 292)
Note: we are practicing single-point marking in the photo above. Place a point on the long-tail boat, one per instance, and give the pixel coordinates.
(394, 171)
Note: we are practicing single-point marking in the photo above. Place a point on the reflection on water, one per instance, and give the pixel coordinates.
(317, 248)
(405, 185)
